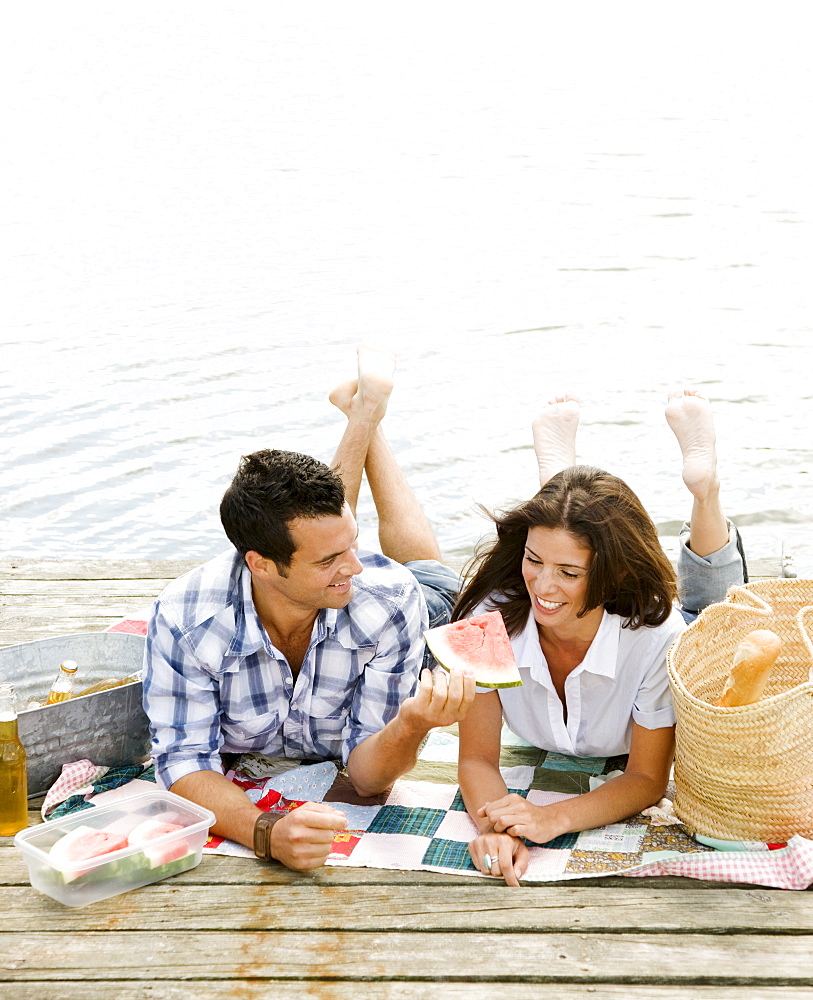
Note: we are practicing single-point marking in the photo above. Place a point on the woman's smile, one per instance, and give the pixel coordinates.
(555, 568)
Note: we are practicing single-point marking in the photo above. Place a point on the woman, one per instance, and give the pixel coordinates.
(586, 593)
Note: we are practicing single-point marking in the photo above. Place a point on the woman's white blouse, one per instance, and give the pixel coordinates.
(622, 677)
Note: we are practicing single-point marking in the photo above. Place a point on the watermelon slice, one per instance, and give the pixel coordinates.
(82, 844)
(480, 643)
(160, 854)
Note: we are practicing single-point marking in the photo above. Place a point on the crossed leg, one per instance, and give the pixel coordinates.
(404, 531)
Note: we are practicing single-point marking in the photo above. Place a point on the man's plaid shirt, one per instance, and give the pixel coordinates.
(213, 681)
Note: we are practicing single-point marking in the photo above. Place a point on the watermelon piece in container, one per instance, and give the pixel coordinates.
(83, 844)
(162, 853)
(480, 643)
(79, 860)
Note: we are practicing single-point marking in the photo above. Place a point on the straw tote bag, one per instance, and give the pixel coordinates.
(746, 773)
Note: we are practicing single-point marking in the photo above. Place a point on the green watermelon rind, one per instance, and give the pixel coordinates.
(450, 660)
(130, 870)
(84, 866)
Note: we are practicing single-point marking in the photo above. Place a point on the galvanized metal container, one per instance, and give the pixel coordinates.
(109, 727)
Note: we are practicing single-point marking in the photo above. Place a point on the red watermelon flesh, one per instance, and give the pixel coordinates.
(480, 643)
(161, 854)
(82, 844)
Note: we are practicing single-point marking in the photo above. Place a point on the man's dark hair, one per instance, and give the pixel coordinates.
(272, 488)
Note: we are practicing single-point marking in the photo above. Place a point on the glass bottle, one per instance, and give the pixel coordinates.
(13, 779)
(109, 683)
(62, 688)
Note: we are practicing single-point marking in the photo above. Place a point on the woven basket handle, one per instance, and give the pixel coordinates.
(740, 596)
(804, 619)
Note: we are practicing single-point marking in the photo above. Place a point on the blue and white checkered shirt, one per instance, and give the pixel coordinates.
(214, 682)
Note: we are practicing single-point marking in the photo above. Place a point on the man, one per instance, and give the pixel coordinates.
(298, 645)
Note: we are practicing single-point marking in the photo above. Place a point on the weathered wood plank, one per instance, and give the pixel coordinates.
(18, 609)
(73, 589)
(467, 957)
(151, 989)
(470, 907)
(96, 569)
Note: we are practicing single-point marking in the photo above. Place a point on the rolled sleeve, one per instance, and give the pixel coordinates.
(181, 701)
(653, 707)
(391, 676)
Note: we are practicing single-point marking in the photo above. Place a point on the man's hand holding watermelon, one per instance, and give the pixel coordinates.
(379, 760)
(439, 702)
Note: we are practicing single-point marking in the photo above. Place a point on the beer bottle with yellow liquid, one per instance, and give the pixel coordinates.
(62, 688)
(13, 780)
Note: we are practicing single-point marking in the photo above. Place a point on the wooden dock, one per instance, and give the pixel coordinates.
(241, 928)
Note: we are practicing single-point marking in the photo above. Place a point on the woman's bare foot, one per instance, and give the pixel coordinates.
(690, 416)
(366, 397)
(555, 436)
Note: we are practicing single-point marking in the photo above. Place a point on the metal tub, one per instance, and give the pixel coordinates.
(109, 727)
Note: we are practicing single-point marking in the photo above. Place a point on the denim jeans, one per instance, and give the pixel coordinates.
(704, 580)
(440, 586)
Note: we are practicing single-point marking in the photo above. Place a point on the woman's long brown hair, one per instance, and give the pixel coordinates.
(629, 573)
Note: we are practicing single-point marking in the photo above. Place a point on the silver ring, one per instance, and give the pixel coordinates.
(487, 862)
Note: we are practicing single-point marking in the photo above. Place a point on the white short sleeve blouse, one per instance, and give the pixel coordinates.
(622, 677)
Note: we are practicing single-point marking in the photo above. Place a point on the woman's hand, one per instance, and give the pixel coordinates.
(508, 856)
(517, 817)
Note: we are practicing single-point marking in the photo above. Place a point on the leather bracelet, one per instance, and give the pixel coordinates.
(262, 834)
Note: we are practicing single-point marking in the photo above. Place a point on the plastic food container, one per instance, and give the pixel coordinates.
(158, 849)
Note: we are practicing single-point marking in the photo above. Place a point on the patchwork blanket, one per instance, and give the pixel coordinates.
(422, 823)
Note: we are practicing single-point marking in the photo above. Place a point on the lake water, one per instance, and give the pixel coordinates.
(208, 206)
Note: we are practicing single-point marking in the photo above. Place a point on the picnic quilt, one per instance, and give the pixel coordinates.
(422, 823)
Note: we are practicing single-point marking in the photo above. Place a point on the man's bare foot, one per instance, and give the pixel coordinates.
(366, 397)
(343, 396)
(555, 436)
(690, 416)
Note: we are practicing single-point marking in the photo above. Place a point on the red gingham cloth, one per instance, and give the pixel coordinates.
(790, 867)
(76, 778)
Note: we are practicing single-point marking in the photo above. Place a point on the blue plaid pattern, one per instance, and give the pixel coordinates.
(420, 821)
(459, 806)
(448, 854)
(213, 682)
(561, 843)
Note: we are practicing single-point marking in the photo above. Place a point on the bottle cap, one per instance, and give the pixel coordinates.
(69, 666)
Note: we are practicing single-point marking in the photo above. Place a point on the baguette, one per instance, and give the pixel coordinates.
(753, 661)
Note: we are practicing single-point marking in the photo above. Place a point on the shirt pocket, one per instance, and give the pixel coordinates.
(257, 729)
(329, 706)
(328, 717)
